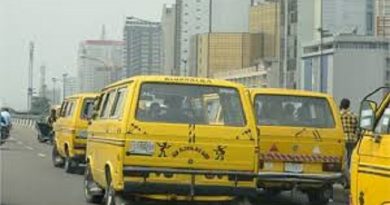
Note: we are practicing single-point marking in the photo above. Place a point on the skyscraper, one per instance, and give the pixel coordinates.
(382, 20)
(318, 19)
(142, 49)
(98, 63)
(168, 25)
(204, 16)
(277, 21)
(71, 86)
(192, 17)
(223, 52)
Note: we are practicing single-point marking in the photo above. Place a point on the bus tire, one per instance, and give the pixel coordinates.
(88, 183)
(57, 160)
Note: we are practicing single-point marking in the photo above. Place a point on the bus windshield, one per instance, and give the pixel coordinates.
(190, 104)
(295, 111)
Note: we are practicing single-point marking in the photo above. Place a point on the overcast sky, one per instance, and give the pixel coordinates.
(56, 27)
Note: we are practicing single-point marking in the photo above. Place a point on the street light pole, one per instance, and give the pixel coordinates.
(64, 75)
(54, 90)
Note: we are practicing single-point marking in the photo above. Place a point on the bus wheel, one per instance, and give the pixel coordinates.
(272, 192)
(320, 196)
(56, 158)
(113, 197)
(92, 192)
(70, 165)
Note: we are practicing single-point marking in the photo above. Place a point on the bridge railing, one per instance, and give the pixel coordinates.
(26, 120)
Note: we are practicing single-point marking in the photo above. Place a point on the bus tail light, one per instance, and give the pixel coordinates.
(331, 167)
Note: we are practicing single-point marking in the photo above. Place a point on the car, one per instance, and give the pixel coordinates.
(370, 164)
(158, 137)
(71, 131)
(301, 142)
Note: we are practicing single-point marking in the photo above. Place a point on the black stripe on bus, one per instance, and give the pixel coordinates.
(108, 141)
(374, 173)
(374, 167)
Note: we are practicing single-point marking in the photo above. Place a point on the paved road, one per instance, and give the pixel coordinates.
(28, 178)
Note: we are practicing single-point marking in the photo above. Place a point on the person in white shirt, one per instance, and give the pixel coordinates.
(6, 122)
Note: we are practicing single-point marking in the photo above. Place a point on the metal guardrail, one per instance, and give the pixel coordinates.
(25, 120)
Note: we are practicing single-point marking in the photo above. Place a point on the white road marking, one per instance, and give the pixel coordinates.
(20, 142)
(29, 148)
(41, 155)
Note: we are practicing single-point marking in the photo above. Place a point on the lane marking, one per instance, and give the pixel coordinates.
(41, 155)
(29, 148)
(20, 142)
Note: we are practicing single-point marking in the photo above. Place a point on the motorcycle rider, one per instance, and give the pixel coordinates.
(5, 123)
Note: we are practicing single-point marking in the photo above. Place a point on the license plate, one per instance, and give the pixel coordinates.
(142, 147)
(293, 167)
(268, 166)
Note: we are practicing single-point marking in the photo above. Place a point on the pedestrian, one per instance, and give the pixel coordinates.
(52, 118)
(350, 123)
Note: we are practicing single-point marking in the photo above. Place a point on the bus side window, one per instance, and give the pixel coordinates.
(63, 109)
(384, 122)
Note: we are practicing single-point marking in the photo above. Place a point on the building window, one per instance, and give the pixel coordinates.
(388, 75)
(324, 74)
(293, 17)
(308, 74)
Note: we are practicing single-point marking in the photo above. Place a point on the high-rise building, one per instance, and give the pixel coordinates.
(204, 16)
(71, 86)
(251, 77)
(265, 18)
(192, 17)
(341, 16)
(347, 66)
(142, 49)
(318, 19)
(98, 63)
(220, 52)
(277, 21)
(229, 15)
(382, 20)
(168, 25)
(370, 17)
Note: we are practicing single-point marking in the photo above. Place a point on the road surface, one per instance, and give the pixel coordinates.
(28, 177)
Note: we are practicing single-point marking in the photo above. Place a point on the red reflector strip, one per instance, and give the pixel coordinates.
(298, 158)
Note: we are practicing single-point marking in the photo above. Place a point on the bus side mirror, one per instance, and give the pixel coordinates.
(367, 115)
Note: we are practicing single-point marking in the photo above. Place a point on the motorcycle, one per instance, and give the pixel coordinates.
(5, 130)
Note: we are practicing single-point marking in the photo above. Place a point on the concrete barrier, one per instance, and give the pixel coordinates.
(27, 121)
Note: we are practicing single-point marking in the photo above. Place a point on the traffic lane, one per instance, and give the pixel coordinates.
(28, 138)
(25, 141)
(298, 198)
(27, 176)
